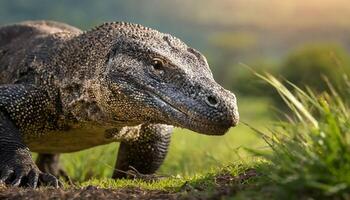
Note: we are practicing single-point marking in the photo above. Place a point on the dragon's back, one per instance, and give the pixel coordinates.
(23, 44)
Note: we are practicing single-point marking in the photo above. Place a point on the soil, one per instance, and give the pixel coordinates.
(224, 185)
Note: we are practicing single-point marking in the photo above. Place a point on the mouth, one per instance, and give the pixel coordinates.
(184, 119)
(170, 105)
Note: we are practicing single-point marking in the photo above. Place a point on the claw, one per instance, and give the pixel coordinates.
(33, 178)
(17, 181)
(5, 175)
(18, 178)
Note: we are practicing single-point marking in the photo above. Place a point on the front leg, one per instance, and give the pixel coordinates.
(146, 153)
(16, 165)
(25, 112)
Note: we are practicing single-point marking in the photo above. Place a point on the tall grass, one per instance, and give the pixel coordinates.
(310, 149)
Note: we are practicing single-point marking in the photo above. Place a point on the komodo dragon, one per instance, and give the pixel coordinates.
(63, 90)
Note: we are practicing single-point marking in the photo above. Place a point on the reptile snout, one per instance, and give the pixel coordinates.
(222, 109)
(230, 108)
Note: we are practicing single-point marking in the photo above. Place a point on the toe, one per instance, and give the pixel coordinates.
(17, 180)
(19, 175)
(5, 175)
(49, 180)
(33, 178)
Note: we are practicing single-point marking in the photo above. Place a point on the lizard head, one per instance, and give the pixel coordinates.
(156, 78)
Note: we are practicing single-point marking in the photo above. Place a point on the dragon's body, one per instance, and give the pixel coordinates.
(64, 90)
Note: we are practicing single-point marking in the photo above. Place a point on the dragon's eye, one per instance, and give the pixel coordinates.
(158, 64)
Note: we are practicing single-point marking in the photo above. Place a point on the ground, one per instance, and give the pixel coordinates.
(219, 186)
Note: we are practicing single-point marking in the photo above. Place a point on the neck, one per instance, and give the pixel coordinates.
(79, 61)
(83, 54)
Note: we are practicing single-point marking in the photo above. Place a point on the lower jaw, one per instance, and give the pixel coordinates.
(182, 119)
(214, 132)
(203, 128)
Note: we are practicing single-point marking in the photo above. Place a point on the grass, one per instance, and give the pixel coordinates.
(173, 183)
(311, 149)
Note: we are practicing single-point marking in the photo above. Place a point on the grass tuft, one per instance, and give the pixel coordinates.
(311, 151)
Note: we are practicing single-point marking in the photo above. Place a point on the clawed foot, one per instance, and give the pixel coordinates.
(18, 169)
(133, 173)
(49, 163)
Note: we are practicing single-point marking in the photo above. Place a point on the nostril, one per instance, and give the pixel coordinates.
(211, 101)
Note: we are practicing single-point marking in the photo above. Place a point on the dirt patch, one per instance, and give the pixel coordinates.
(224, 185)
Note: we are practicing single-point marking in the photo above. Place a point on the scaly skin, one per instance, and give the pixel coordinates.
(64, 90)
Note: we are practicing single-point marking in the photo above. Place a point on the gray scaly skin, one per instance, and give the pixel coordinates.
(64, 90)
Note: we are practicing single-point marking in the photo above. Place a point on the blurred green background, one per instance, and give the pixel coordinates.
(295, 39)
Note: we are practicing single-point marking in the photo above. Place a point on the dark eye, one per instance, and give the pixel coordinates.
(158, 64)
